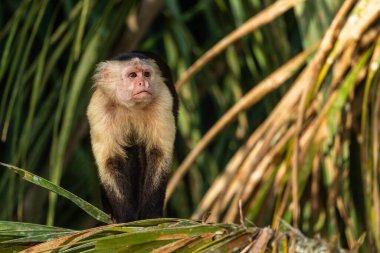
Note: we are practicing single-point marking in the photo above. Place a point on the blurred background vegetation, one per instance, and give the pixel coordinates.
(273, 117)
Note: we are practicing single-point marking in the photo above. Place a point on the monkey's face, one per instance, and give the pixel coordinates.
(136, 83)
(129, 82)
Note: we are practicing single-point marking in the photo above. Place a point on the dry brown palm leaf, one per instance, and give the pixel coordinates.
(245, 170)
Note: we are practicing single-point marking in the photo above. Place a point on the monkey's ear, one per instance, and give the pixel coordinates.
(102, 72)
(102, 68)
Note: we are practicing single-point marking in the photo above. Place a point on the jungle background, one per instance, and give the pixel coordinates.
(279, 108)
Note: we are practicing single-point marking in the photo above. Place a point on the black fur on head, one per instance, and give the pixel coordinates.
(164, 68)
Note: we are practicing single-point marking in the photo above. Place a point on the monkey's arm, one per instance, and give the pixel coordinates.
(122, 193)
(154, 184)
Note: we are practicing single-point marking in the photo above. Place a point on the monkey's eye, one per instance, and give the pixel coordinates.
(147, 74)
(132, 75)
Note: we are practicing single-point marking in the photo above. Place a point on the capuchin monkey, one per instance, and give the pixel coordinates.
(132, 116)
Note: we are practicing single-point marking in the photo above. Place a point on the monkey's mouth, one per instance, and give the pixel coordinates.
(142, 94)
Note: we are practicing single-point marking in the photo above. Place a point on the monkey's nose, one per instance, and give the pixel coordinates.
(144, 84)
